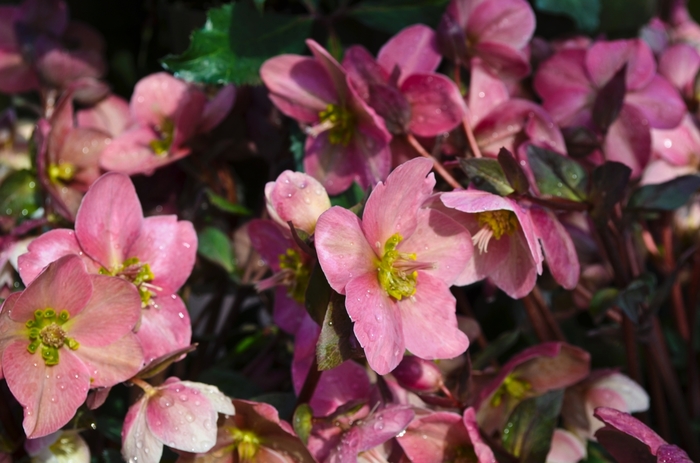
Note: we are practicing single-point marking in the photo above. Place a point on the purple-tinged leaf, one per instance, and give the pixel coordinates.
(609, 100)
(487, 175)
(513, 171)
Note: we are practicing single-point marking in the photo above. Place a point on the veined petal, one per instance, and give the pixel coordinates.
(165, 326)
(106, 228)
(517, 275)
(509, 22)
(298, 198)
(559, 251)
(605, 58)
(444, 433)
(679, 64)
(486, 91)
(679, 146)
(113, 363)
(503, 59)
(111, 115)
(333, 69)
(138, 442)
(436, 104)
(330, 164)
(217, 399)
(413, 50)
(629, 140)
(566, 448)
(10, 330)
(156, 97)
(363, 70)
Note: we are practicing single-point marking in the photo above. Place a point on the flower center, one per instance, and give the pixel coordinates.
(140, 274)
(166, 131)
(494, 224)
(65, 447)
(338, 121)
(46, 332)
(398, 271)
(246, 442)
(464, 454)
(294, 274)
(512, 386)
(61, 172)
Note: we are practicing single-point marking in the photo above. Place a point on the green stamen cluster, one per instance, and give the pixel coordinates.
(516, 388)
(161, 146)
(62, 172)
(45, 332)
(341, 122)
(137, 273)
(246, 442)
(297, 284)
(65, 447)
(396, 282)
(501, 222)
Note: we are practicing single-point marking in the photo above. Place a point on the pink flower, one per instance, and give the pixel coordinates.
(395, 267)
(166, 114)
(680, 64)
(346, 140)
(156, 254)
(566, 448)
(110, 115)
(67, 332)
(676, 152)
(298, 198)
(179, 414)
(59, 446)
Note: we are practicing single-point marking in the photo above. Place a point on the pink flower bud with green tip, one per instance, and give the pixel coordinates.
(254, 434)
(298, 198)
(346, 139)
(395, 266)
(445, 436)
(155, 255)
(418, 375)
(58, 447)
(67, 332)
(179, 414)
(539, 369)
(566, 447)
(629, 440)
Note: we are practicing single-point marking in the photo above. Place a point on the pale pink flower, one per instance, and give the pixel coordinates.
(395, 266)
(156, 254)
(67, 332)
(179, 414)
(676, 152)
(298, 198)
(566, 448)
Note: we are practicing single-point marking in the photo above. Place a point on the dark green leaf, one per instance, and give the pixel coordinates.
(625, 17)
(513, 171)
(557, 175)
(596, 454)
(215, 246)
(495, 349)
(601, 301)
(318, 295)
(350, 197)
(302, 422)
(608, 101)
(337, 341)
(585, 13)
(608, 183)
(580, 141)
(636, 293)
(528, 432)
(393, 15)
(19, 196)
(225, 205)
(666, 196)
(487, 175)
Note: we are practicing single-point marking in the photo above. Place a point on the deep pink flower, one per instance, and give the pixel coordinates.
(569, 83)
(676, 152)
(346, 140)
(179, 414)
(680, 64)
(395, 267)
(166, 114)
(67, 332)
(112, 237)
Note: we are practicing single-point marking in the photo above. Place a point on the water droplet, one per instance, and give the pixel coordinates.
(183, 397)
(668, 143)
(378, 426)
(207, 424)
(139, 445)
(401, 434)
(164, 402)
(189, 418)
(378, 317)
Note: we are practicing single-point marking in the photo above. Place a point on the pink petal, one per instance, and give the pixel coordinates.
(186, 120)
(566, 448)
(679, 146)
(169, 247)
(629, 425)
(111, 312)
(503, 59)
(377, 322)
(10, 330)
(287, 313)
(59, 66)
(436, 104)
(483, 451)
(106, 228)
(672, 454)
(486, 91)
(164, 327)
(112, 363)
(629, 141)
(298, 198)
(217, 108)
(138, 442)
(82, 148)
(299, 86)
(547, 372)
(413, 50)
(444, 434)
(660, 104)
(660, 171)
(634, 397)
(382, 425)
(334, 70)
(63, 285)
(344, 383)
(50, 395)
(270, 241)
(49, 16)
(391, 207)
(16, 76)
(50, 247)
(559, 251)
(130, 153)
(156, 97)
(216, 398)
(429, 322)
(363, 70)
(330, 164)
(342, 248)
(509, 22)
(605, 58)
(679, 64)
(111, 115)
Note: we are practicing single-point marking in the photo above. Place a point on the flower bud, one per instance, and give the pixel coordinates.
(418, 375)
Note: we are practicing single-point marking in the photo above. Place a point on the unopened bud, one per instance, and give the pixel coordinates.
(418, 375)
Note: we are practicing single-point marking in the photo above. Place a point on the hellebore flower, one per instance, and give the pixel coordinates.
(298, 198)
(110, 115)
(677, 152)
(566, 447)
(630, 441)
(68, 158)
(445, 436)
(570, 85)
(179, 414)
(679, 64)
(67, 332)
(539, 369)
(254, 434)
(59, 447)
(395, 267)
(166, 113)
(497, 31)
(155, 254)
(346, 140)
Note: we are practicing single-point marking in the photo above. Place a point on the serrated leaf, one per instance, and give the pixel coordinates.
(318, 295)
(393, 15)
(487, 175)
(585, 13)
(529, 429)
(225, 205)
(608, 183)
(557, 175)
(302, 422)
(214, 245)
(513, 171)
(666, 196)
(337, 341)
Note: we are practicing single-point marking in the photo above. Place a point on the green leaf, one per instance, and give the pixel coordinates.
(608, 182)
(393, 15)
(215, 246)
(636, 293)
(19, 197)
(235, 41)
(585, 13)
(487, 175)
(495, 349)
(666, 196)
(529, 429)
(350, 197)
(318, 295)
(302, 422)
(557, 175)
(225, 205)
(334, 344)
(601, 301)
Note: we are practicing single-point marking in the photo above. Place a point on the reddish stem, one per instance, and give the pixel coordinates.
(536, 320)
(436, 164)
(679, 312)
(470, 136)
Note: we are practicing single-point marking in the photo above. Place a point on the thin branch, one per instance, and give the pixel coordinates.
(439, 168)
(470, 136)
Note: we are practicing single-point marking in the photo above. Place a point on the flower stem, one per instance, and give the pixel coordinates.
(470, 136)
(677, 304)
(535, 316)
(439, 168)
